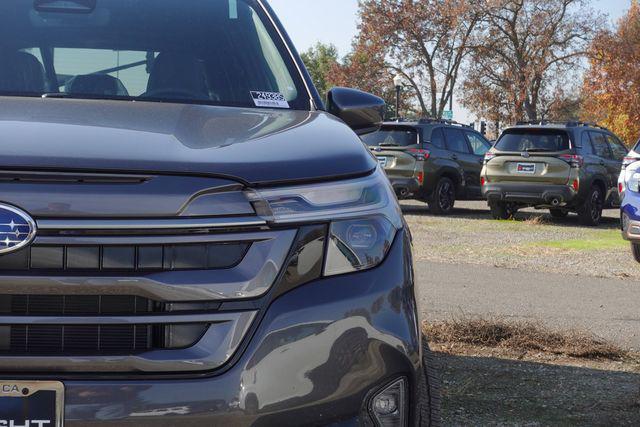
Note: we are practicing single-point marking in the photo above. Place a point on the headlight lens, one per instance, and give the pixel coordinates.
(358, 244)
(364, 215)
(634, 182)
(632, 177)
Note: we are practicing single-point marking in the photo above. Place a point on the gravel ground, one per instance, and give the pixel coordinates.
(533, 241)
(481, 387)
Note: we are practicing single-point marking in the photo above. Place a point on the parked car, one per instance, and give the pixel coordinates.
(563, 167)
(433, 161)
(629, 188)
(178, 209)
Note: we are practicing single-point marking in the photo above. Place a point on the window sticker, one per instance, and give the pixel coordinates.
(269, 99)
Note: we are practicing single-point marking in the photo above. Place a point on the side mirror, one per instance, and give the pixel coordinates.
(361, 111)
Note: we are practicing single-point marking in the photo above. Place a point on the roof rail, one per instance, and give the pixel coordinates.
(426, 121)
(568, 123)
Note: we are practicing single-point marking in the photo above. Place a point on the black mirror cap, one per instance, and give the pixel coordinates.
(361, 111)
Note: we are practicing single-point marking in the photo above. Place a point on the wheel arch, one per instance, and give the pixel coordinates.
(454, 175)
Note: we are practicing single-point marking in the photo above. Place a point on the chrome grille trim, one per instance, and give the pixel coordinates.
(251, 278)
(156, 319)
(89, 240)
(149, 224)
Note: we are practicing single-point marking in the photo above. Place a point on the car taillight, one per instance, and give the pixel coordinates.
(489, 156)
(576, 185)
(620, 188)
(420, 176)
(419, 154)
(629, 160)
(574, 160)
(483, 181)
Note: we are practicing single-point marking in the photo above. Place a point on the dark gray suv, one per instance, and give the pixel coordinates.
(188, 235)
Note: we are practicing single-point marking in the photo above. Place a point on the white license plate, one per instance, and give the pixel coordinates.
(382, 161)
(526, 168)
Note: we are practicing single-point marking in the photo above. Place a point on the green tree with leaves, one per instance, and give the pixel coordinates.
(320, 60)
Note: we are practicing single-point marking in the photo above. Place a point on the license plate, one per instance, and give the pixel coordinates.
(31, 403)
(527, 168)
(382, 161)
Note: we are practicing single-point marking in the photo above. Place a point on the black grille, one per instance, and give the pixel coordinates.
(88, 339)
(74, 305)
(85, 339)
(125, 258)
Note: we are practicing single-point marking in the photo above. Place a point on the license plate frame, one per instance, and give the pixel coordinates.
(382, 161)
(17, 396)
(526, 168)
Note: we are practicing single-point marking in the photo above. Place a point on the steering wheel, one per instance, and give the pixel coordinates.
(173, 93)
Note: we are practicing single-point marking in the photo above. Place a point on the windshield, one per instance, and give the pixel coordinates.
(220, 52)
(533, 140)
(392, 138)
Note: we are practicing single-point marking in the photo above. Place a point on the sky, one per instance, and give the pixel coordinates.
(336, 21)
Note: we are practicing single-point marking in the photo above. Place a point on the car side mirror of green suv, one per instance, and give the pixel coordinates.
(361, 111)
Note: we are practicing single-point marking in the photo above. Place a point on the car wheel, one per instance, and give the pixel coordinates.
(502, 210)
(635, 248)
(444, 197)
(430, 399)
(590, 213)
(559, 213)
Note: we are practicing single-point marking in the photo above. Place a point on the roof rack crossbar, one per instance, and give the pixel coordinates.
(425, 121)
(567, 123)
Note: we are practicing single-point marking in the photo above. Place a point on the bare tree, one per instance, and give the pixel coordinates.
(525, 51)
(425, 41)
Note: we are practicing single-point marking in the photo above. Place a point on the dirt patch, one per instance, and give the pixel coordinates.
(511, 373)
(481, 388)
(523, 337)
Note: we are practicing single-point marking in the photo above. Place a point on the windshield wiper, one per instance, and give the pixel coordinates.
(388, 144)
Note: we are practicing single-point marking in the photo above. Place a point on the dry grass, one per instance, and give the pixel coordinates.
(522, 336)
(537, 220)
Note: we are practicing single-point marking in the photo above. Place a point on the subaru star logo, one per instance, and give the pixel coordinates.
(17, 229)
(526, 154)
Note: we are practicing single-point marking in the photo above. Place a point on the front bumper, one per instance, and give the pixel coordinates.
(630, 217)
(318, 354)
(532, 194)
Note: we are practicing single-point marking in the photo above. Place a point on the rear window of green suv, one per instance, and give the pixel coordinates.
(534, 140)
(392, 137)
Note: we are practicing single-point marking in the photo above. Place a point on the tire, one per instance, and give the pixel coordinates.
(502, 210)
(430, 399)
(444, 197)
(590, 213)
(635, 249)
(559, 213)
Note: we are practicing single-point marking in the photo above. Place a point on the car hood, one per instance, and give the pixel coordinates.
(253, 146)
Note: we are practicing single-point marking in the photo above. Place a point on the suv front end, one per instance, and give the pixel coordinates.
(629, 190)
(189, 236)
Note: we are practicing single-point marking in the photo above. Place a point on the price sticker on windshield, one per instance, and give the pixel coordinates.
(269, 99)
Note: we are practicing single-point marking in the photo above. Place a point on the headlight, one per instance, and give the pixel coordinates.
(632, 177)
(634, 182)
(364, 216)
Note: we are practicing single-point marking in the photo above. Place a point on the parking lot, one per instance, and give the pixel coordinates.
(534, 269)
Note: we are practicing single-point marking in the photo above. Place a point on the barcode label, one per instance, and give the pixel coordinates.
(269, 99)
